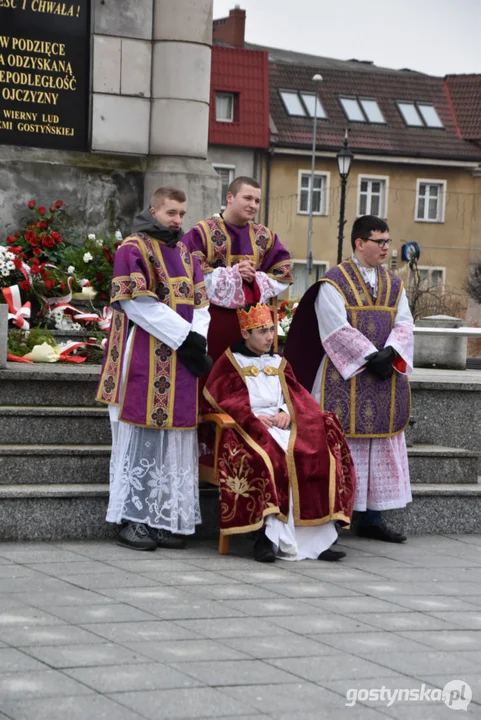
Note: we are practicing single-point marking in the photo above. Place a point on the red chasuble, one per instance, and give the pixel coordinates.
(254, 472)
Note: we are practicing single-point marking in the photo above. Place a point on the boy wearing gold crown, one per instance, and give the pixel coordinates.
(285, 468)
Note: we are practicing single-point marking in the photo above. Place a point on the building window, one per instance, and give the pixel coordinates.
(433, 278)
(224, 107)
(430, 200)
(309, 100)
(372, 195)
(301, 104)
(227, 174)
(362, 110)
(320, 192)
(416, 114)
(299, 267)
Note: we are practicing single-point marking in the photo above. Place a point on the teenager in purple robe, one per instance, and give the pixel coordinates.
(243, 262)
(360, 331)
(155, 352)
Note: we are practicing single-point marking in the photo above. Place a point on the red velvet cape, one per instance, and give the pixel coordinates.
(255, 473)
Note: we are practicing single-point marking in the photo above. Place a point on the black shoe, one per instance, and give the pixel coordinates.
(332, 555)
(136, 536)
(167, 539)
(264, 549)
(380, 532)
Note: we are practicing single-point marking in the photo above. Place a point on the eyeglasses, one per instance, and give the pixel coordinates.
(380, 243)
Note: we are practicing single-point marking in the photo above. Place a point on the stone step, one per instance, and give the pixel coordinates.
(37, 464)
(46, 384)
(65, 511)
(55, 511)
(23, 424)
(442, 465)
(438, 509)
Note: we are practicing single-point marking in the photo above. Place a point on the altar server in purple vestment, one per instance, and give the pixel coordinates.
(243, 262)
(360, 329)
(155, 352)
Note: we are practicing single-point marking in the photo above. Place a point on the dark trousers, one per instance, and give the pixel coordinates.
(369, 517)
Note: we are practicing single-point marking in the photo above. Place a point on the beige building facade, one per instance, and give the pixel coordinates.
(434, 204)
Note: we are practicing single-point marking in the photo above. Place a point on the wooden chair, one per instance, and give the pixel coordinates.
(222, 422)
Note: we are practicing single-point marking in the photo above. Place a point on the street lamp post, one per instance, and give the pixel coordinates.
(316, 79)
(344, 159)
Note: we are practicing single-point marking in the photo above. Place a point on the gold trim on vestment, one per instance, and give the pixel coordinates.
(332, 482)
(140, 245)
(393, 398)
(228, 241)
(242, 433)
(251, 528)
(126, 376)
(291, 465)
(254, 371)
(150, 390)
(365, 291)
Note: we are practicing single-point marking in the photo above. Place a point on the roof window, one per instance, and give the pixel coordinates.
(361, 110)
(301, 104)
(417, 114)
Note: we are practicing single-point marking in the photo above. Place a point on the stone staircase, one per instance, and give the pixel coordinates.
(445, 459)
(55, 448)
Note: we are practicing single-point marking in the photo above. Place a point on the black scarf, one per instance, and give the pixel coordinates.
(146, 223)
(241, 348)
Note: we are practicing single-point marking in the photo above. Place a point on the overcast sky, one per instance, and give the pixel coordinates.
(438, 37)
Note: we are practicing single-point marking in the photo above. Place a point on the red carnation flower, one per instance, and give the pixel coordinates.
(10, 240)
(48, 242)
(24, 285)
(283, 305)
(107, 254)
(37, 251)
(31, 204)
(56, 236)
(42, 225)
(63, 286)
(35, 268)
(18, 264)
(59, 203)
(41, 210)
(49, 284)
(52, 208)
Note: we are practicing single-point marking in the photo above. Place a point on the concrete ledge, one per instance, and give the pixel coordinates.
(66, 512)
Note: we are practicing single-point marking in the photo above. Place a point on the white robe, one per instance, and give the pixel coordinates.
(266, 398)
(381, 465)
(154, 473)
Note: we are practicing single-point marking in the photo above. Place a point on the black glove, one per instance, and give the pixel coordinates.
(194, 342)
(193, 356)
(195, 362)
(380, 363)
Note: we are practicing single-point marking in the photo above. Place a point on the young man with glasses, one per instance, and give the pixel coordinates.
(361, 333)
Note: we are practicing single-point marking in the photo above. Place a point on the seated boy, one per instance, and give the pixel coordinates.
(285, 468)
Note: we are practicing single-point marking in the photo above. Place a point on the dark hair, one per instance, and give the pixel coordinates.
(365, 225)
(238, 182)
(167, 193)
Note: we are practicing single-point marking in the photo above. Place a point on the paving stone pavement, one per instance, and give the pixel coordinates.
(92, 630)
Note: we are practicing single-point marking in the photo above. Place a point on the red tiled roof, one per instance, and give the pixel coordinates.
(392, 138)
(245, 73)
(464, 92)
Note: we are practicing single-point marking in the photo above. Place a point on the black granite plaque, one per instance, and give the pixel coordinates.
(44, 73)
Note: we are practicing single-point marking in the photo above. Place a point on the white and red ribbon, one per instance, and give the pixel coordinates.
(17, 312)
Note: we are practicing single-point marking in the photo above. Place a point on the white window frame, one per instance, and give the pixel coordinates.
(324, 193)
(218, 93)
(430, 269)
(315, 263)
(442, 198)
(231, 169)
(384, 200)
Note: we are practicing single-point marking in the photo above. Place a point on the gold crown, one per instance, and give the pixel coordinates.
(257, 316)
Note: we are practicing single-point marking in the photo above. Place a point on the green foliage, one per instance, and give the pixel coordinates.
(20, 343)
